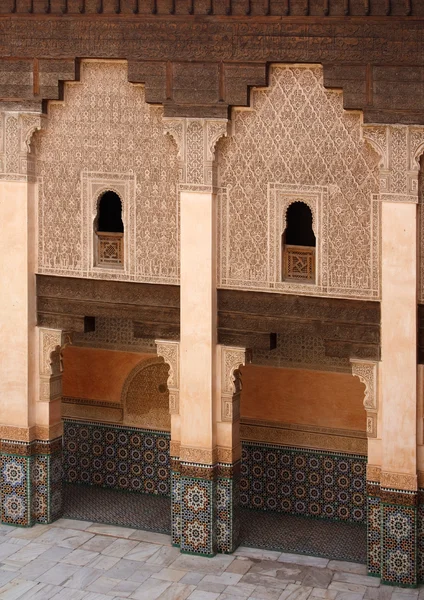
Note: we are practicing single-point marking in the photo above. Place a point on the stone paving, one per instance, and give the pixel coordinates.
(73, 560)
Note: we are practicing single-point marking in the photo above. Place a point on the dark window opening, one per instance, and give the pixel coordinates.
(299, 230)
(110, 213)
(298, 244)
(109, 231)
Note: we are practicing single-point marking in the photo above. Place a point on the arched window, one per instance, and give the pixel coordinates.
(109, 230)
(298, 244)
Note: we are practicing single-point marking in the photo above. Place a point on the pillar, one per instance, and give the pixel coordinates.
(206, 454)
(392, 469)
(23, 472)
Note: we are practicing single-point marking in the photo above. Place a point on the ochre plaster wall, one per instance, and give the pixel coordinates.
(97, 374)
(295, 396)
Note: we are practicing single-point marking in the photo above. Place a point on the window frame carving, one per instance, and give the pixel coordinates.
(93, 186)
(280, 198)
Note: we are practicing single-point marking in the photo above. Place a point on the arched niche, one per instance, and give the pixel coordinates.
(145, 396)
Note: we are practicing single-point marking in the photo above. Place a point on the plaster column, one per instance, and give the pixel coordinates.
(394, 489)
(24, 446)
(170, 351)
(195, 467)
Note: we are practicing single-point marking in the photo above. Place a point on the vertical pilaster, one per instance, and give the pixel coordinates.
(30, 463)
(170, 351)
(195, 469)
(392, 483)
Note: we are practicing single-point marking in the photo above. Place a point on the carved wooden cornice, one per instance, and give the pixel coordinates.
(200, 58)
(295, 8)
(350, 328)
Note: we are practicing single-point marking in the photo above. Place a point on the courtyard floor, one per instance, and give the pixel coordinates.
(269, 530)
(75, 560)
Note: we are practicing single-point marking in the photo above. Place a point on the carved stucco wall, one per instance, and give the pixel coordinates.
(104, 136)
(297, 143)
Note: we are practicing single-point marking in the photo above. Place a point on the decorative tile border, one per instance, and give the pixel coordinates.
(398, 541)
(305, 482)
(118, 457)
(420, 536)
(374, 535)
(198, 531)
(30, 482)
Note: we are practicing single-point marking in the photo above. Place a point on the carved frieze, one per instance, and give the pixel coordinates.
(170, 352)
(196, 140)
(51, 344)
(399, 148)
(367, 372)
(16, 131)
(231, 381)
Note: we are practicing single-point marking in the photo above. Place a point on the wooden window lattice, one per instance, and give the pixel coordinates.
(299, 263)
(110, 250)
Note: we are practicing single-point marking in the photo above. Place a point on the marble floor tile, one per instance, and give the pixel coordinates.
(27, 533)
(7, 549)
(347, 567)
(68, 538)
(103, 563)
(265, 593)
(192, 578)
(358, 579)
(120, 547)
(142, 551)
(35, 568)
(98, 543)
(151, 589)
(102, 585)
(124, 589)
(239, 565)
(242, 590)
(200, 595)
(27, 554)
(6, 576)
(71, 524)
(317, 577)
(168, 574)
(218, 564)
(257, 553)
(177, 591)
(342, 586)
(348, 596)
(224, 578)
(211, 587)
(55, 553)
(323, 593)
(58, 574)
(164, 556)
(82, 578)
(69, 594)
(265, 580)
(41, 591)
(152, 537)
(80, 557)
(15, 589)
(296, 592)
(119, 532)
(299, 559)
(124, 569)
